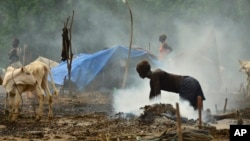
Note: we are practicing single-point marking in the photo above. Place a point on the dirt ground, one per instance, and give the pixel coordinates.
(90, 117)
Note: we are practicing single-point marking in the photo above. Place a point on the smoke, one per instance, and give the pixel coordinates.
(132, 99)
(226, 48)
(97, 26)
(212, 66)
(210, 53)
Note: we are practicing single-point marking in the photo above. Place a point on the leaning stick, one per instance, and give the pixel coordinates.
(199, 110)
(225, 116)
(179, 130)
(130, 46)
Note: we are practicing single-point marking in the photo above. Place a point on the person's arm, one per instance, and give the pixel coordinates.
(11, 53)
(170, 48)
(151, 94)
(167, 47)
(155, 87)
(161, 48)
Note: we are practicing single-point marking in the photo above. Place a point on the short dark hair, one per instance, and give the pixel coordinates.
(162, 37)
(15, 42)
(143, 67)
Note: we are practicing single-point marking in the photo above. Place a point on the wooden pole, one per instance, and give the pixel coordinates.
(179, 129)
(149, 46)
(199, 111)
(24, 55)
(70, 53)
(29, 59)
(130, 46)
(67, 37)
(225, 106)
(216, 109)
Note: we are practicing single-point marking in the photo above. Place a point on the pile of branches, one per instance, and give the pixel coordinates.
(152, 111)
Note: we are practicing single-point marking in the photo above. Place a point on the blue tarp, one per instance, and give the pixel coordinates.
(87, 66)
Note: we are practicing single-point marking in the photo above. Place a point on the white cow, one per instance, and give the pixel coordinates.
(13, 84)
(40, 72)
(245, 67)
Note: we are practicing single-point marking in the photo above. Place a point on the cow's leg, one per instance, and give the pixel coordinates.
(49, 95)
(50, 101)
(14, 103)
(50, 114)
(11, 105)
(248, 86)
(6, 103)
(41, 100)
(17, 105)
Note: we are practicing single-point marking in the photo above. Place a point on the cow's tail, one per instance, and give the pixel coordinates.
(56, 92)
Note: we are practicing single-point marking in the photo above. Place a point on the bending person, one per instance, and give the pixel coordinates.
(187, 87)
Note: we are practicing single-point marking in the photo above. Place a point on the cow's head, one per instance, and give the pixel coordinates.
(24, 77)
(245, 66)
(20, 76)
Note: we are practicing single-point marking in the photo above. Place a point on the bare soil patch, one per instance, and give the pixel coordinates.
(90, 117)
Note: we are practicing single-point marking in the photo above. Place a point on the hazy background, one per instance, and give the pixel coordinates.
(208, 37)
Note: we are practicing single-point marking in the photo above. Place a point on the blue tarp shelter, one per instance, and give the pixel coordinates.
(104, 65)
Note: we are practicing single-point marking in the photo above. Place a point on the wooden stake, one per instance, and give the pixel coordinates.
(179, 130)
(216, 109)
(199, 110)
(225, 106)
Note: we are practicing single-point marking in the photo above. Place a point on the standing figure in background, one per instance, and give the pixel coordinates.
(14, 54)
(165, 49)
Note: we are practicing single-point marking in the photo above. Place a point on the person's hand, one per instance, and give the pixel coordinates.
(152, 96)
